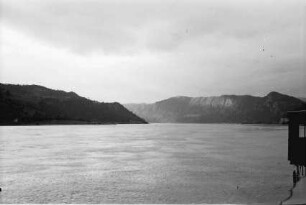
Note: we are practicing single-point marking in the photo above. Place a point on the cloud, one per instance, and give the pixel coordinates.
(144, 51)
(133, 26)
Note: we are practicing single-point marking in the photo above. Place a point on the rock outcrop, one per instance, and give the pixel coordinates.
(270, 109)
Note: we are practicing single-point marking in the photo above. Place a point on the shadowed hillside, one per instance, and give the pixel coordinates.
(33, 104)
(223, 109)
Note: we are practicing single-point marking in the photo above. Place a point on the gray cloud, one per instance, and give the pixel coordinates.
(131, 26)
(135, 50)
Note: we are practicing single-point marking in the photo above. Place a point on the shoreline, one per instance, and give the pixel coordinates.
(70, 122)
(297, 193)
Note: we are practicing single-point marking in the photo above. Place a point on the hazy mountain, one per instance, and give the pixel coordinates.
(303, 99)
(33, 104)
(223, 109)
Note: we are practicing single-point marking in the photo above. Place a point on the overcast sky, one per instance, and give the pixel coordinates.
(145, 51)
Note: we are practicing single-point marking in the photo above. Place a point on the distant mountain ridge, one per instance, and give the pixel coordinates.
(34, 104)
(303, 99)
(269, 109)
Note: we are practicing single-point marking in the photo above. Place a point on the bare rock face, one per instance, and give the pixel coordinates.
(270, 109)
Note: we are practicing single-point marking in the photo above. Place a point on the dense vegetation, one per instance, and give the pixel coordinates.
(33, 104)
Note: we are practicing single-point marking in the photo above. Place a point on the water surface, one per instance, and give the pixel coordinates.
(155, 163)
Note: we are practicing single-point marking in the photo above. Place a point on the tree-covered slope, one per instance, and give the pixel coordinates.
(33, 104)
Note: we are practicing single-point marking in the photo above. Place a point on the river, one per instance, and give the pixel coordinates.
(154, 163)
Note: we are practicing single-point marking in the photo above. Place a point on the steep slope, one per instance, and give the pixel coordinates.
(33, 104)
(223, 109)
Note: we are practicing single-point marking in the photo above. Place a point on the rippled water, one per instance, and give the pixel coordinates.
(155, 163)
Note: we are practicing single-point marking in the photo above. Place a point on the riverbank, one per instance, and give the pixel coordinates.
(298, 195)
(68, 122)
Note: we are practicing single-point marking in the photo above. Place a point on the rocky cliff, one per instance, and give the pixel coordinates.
(222, 109)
